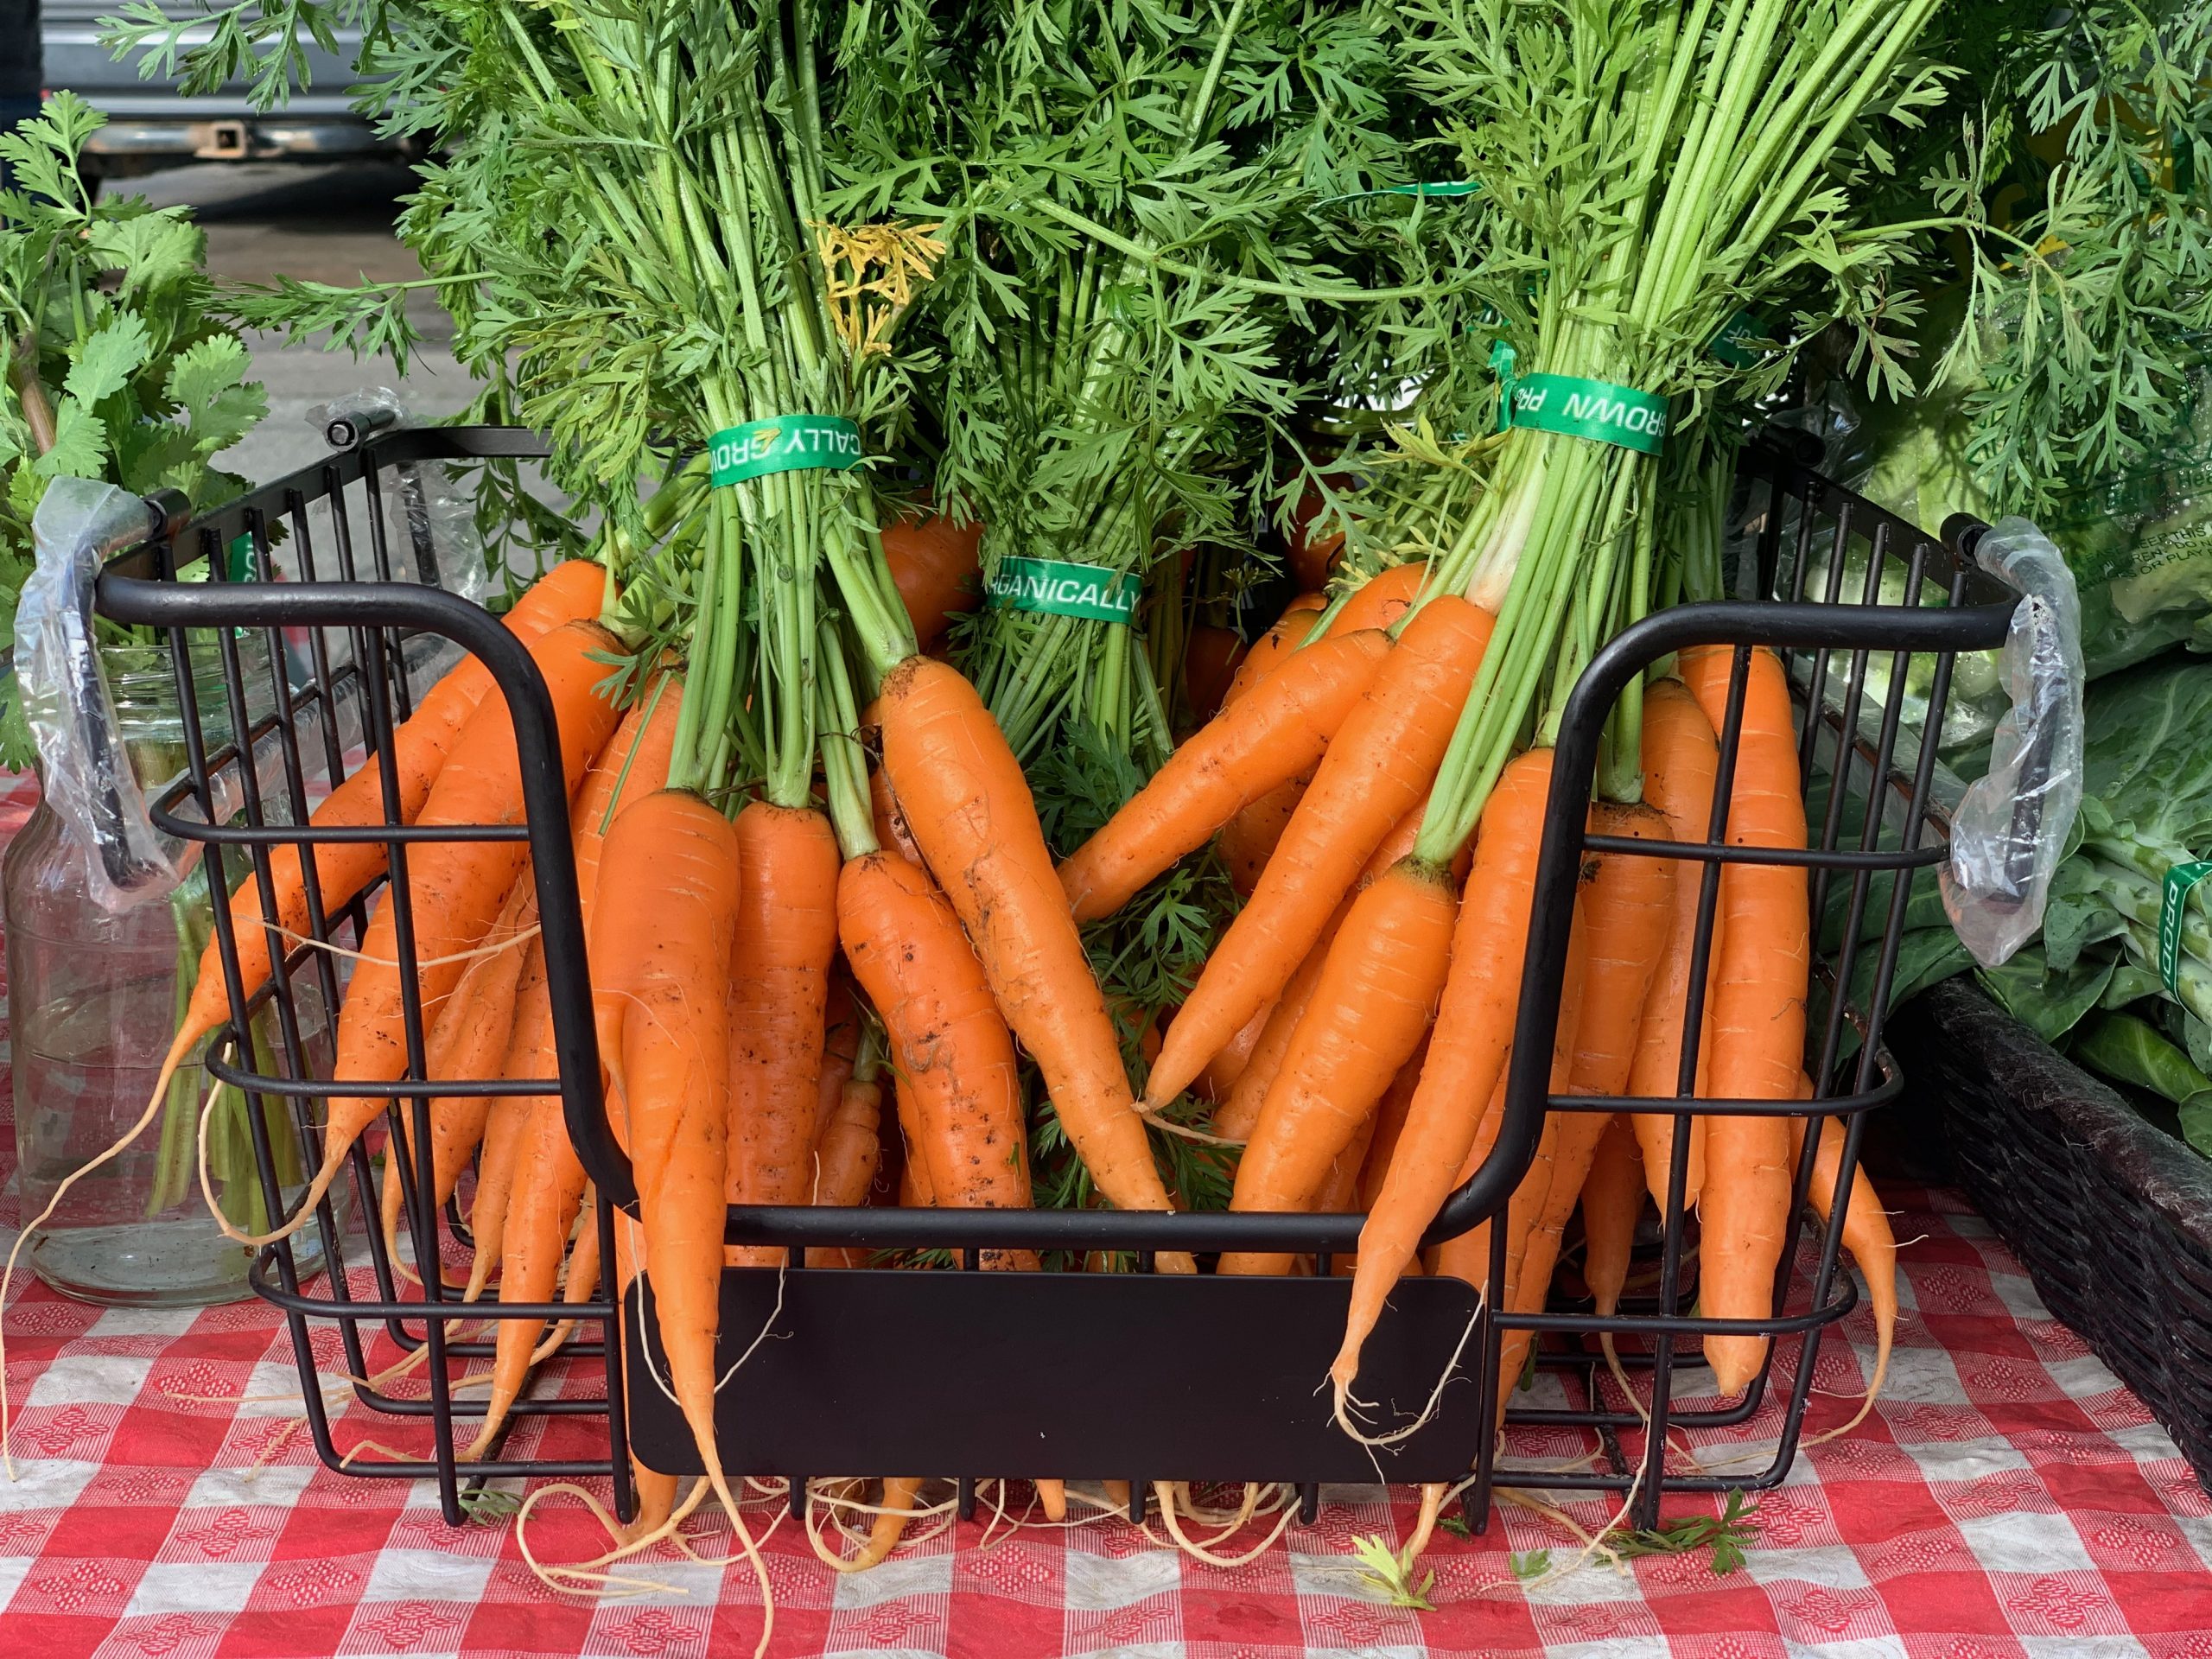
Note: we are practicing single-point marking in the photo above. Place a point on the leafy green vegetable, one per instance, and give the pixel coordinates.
(1390, 1573)
(2133, 1050)
(1727, 1535)
(118, 365)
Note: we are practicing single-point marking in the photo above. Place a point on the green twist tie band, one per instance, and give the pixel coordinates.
(1734, 346)
(1056, 587)
(2173, 904)
(783, 443)
(1596, 410)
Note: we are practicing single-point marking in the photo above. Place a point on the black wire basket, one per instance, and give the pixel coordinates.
(1134, 1375)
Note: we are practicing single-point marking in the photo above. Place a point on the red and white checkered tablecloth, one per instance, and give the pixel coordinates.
(2007, 1497)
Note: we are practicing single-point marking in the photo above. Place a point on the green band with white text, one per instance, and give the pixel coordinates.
(783, 443)
(1596, 410)
(2173, 904)
(1056, 587)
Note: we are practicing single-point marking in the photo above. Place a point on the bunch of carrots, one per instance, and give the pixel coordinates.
(833, 956)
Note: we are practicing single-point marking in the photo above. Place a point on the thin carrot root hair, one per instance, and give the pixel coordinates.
(1343, 1402)
(886, 1531)
(1174, 1495)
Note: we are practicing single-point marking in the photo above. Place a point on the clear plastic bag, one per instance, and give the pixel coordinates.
(2012, 823)
(434, 535)
(85, 771)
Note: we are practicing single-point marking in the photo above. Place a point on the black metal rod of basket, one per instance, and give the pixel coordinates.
(1244, 1326)
(379, 619)
(1973, 614)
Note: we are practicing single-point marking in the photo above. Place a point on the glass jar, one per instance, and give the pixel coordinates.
(95, 1001)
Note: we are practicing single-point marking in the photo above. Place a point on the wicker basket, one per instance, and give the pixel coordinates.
(2110, 1215)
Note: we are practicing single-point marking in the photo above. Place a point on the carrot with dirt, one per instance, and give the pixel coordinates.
(970, 812)
(1467, 1051)
(457, 888)
(840, 1053)
(779, 962)
(943, 1036)
(1382, 759)
(1759, 1012)
(1276, 731)
(1383, 599)
(849, 1150)
(1370, 1007)
(1681, 762)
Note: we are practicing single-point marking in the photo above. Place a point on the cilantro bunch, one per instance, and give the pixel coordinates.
(118, 366)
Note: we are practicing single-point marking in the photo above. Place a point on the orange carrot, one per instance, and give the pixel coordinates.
(846, 1157)
(1276, 732)
(1236, 1119)
(1612, 1202)
(1211, 658)
(840, 1051)
(778, 990)
(1268, 651)
(1218, 1081)
(569, 591)
(1248, 839)
(633, 764)
(888, 1527)
(458, 887)
(890, 825)
(1467, 1052)
(470, 1040)
(948, 1045)
(1624, 908)
(938, 569)
(1383, 758)
(970, 811)
(1758, 1020)
(1376, 992)
(530, 1234)
(659, 953)
(1389, 1124)
(914, 1190)
(1382, 599)
(1467, 1256)
(1681, 761)
(1866, 1235)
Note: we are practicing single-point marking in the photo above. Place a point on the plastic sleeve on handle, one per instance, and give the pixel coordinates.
(87, 778)
(2012, 824)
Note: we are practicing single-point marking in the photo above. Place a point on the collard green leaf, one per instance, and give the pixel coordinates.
(2050, 1001)
(2131, 1050)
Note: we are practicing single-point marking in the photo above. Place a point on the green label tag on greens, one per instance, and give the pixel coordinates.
(1734, 344)
(1058, 588)
(2173, 904)
(1596, 410)
(785, 444)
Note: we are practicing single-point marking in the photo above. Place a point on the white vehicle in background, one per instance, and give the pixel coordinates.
(151, 124)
